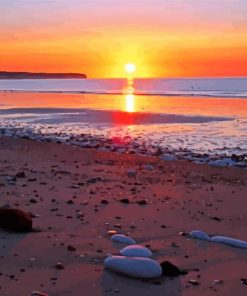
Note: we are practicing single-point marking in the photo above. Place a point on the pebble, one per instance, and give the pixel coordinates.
(229, 241)
(198, 234)
(136, 251)
(124, 239)
(124, 200)
(131, 173)
(194, 282)
(59, 266)
(142, 268)
(142, 202)
(36, 293)
(20, 175)
(71, 248)
(168, 157)
(111, 232)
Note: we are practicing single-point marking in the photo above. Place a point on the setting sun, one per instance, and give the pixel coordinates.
(130, 68)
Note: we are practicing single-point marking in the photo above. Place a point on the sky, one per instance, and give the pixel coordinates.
(164, 38)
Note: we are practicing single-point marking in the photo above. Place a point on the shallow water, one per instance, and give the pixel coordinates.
(177, 124)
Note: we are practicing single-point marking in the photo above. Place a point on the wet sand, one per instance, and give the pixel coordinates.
(75, 195)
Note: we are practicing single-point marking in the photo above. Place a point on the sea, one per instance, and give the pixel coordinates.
(199, 119)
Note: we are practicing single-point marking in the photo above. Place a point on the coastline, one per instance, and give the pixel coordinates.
(64, 187)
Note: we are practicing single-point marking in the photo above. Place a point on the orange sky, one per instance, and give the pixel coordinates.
(98, 37)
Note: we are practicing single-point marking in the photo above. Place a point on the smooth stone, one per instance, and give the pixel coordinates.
(131, 173)
(36, 293)
(124, 239)
(143, 268)
(198, 234)
(15, 220)
(229, 241)
(136, 251)
(168, 157)
(221, 162)
(148, 167)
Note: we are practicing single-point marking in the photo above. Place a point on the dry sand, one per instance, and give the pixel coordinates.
(64, 187)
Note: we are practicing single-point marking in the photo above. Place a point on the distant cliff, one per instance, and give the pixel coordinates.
(29, 75)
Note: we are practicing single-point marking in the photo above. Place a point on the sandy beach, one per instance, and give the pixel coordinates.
(76, 196)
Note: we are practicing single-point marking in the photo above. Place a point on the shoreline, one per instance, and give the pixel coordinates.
(136, 93)
(64, 187)
(124, 145)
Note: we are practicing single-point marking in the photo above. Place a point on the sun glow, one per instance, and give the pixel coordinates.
(130, 68)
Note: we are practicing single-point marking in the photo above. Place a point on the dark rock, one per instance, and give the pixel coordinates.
(32, 200)
(71, 248)
(104, 202)
(124, 200)
(216, 218)
(15, 220)
(142, 202)
(59, 266)
(169, 269)
(20, 175)
(70, 202)
(243, 281)
(182, 233)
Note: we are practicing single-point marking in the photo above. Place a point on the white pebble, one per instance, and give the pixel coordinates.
(124, 239)
(36, 293)
(229, 241)
(136, 251)
(198, 234)
(134, 267)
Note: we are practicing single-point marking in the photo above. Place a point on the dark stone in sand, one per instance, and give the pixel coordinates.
(20, 175)
(59, 266)
(124, 200)
(71, 248)
(237, 158)
(217, 219)
(169, 269)
(142, 202)
(32, 200)
(15, 220)
(243, 281)
(104, 202)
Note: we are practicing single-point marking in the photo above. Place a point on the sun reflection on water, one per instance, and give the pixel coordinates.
(130, 97)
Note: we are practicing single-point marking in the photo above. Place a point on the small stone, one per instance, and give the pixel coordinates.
(194, 282)
(71, 248)
(32, 200)
(36, 293)
(121, 238)
(142, 202)
(243, 281)
(136, 251)
(124, 200)
(198, 234)
(131, 173)
(20, 175)
(111, 232)
(59, 266)
(104, 202)
(182, 233)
